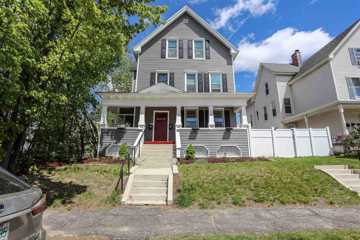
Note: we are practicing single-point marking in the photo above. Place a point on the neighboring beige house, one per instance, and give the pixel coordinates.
(323, 91)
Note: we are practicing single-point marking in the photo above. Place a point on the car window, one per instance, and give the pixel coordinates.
(9, 184)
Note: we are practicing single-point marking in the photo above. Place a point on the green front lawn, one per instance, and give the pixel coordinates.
(79, 186)
(312, 235)
(264, 183)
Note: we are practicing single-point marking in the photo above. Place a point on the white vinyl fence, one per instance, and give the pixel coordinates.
(294, 142)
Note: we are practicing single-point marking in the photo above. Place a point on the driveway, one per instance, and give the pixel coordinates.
(142, 222)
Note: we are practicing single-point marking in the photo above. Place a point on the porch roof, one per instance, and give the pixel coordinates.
(174, 99)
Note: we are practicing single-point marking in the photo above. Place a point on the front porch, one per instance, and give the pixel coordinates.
(341, 117)
(160, 117)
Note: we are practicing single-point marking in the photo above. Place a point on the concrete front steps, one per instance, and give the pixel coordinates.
(341, 173)
(149, 187)
(151, 183)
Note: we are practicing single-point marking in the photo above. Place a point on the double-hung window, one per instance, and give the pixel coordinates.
(162, 77)
(265, 114)
(191, 118)
(199, 49)
(273, 107)
(191, 81)
(123, 116)
(354, 87)
(287, 106)
(215, 82)
(356, 52)
(219, 117)
(172, 48)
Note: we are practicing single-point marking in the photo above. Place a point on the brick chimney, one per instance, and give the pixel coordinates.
(296, 58)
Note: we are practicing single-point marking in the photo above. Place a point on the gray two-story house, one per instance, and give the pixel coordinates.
(183, 92)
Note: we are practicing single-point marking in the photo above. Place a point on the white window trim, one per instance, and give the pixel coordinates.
(196, 80)
(128, 114)
(197, 115)
(353, 87)
(162, 71)
(204, 52)
(210, 80)
(356, 56)
(177, 48)
(223, 115)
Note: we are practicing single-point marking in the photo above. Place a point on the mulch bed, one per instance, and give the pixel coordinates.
(101, 160)
(222, 160)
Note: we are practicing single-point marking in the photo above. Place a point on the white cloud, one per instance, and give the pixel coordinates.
(252, 7)
(278, 47)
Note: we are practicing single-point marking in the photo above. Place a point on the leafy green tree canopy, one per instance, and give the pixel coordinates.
(52, 53)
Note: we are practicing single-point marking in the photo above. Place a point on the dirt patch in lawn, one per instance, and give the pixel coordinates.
(81, 186)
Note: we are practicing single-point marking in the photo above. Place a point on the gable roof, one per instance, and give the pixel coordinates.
(160, 88)
(199, 19)
(281, 68)
(326, 51)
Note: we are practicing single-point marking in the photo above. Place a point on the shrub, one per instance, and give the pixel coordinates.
(352, 141)
(190, 152)
(123, 151)
(184, 200)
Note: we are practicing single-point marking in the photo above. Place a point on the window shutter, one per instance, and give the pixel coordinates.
(200, 83)
(206, 82)
(172, 79)
(163, 48)
(207, 49)
(224, 82)
(352, 56)
(190, 49)
(152, 78)
(350, 88)
(181, 48)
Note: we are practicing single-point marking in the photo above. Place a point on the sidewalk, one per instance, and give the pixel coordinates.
(141, 222)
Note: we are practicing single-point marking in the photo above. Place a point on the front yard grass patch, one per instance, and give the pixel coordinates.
(79, 185)
(310, 235)
(292, 181)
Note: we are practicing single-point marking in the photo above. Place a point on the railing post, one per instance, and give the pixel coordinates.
(128, 163)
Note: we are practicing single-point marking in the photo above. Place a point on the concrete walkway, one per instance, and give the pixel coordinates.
(142, 222)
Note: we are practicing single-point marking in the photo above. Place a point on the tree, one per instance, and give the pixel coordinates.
(52, 54)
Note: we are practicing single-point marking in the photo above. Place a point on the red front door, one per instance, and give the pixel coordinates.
(161, 126)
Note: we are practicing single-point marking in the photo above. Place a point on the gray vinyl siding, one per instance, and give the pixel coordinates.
(213, 139)
(150, 58)
(149, 117)
(110, 136)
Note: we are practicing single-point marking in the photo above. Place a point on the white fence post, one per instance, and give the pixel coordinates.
(294, 139)
(329, 138)
(273, 138)
(249, 140)
(311, 143)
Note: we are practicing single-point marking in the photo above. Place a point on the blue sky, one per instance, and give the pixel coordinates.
(269, 30)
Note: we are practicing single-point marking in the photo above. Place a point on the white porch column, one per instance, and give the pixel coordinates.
(178, 117)
(141, 123)
(244, 120)
(211, 117)
(306, 120)
(103, 119)
(343, 121)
